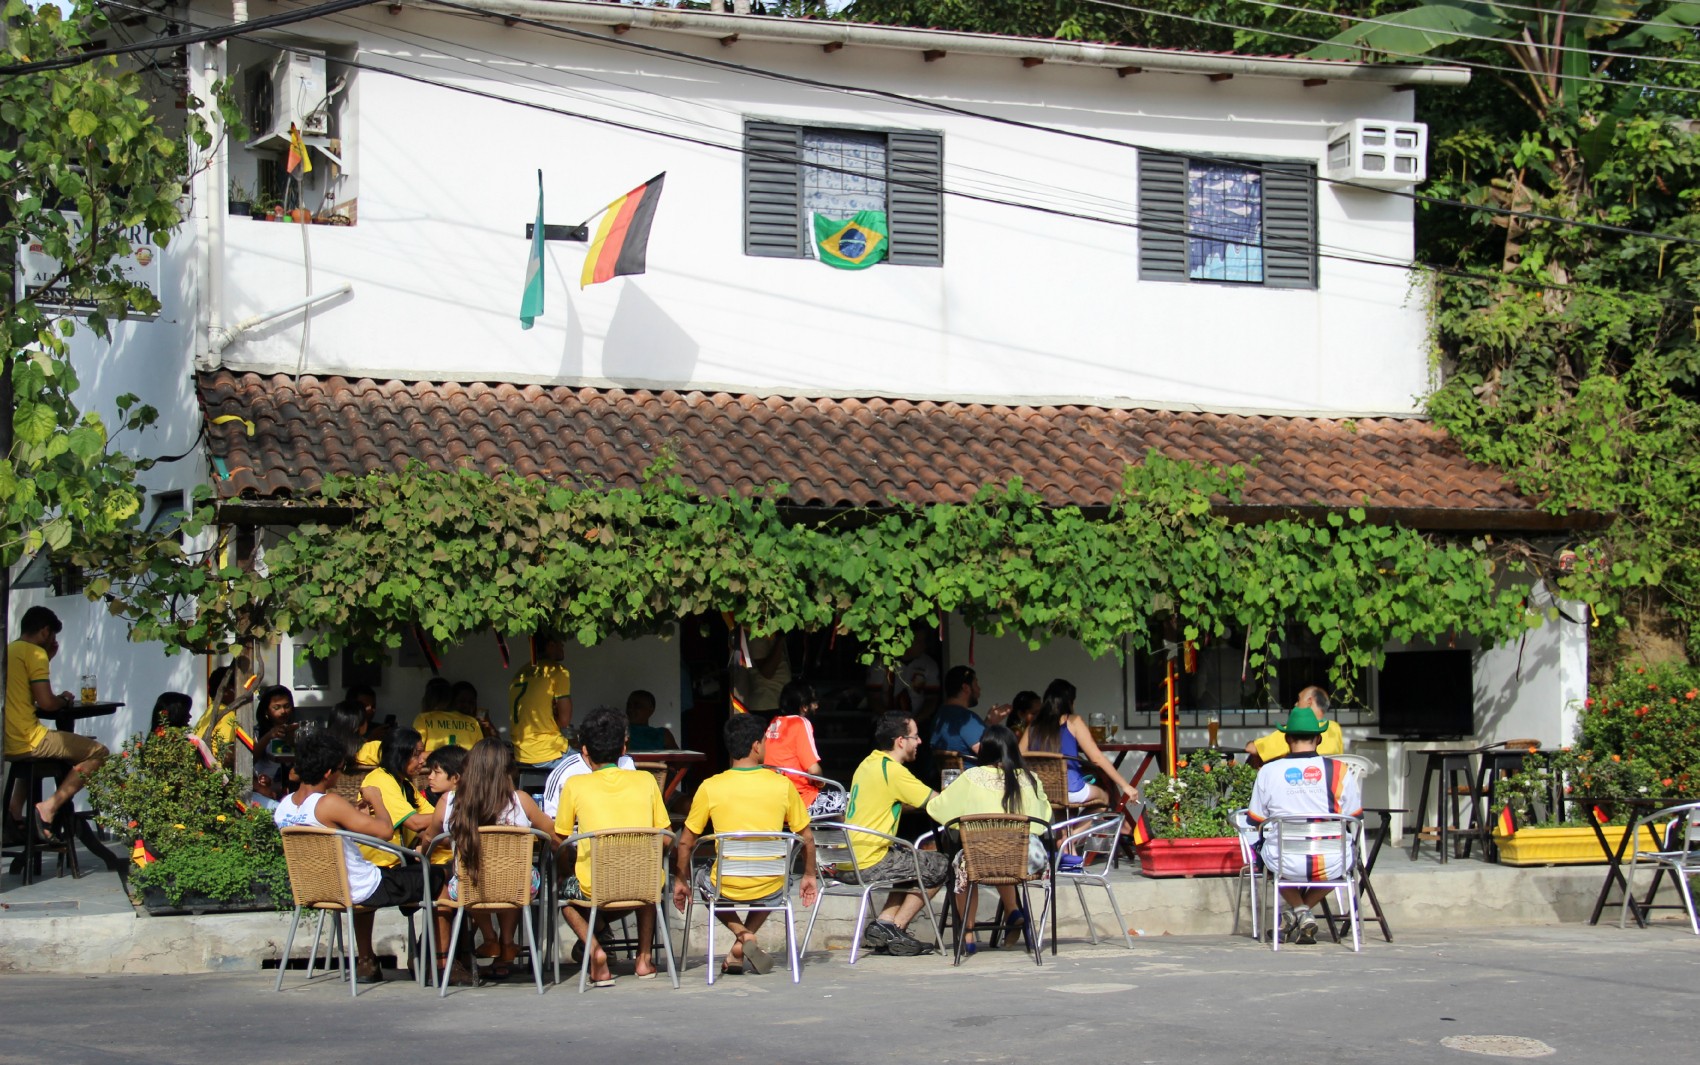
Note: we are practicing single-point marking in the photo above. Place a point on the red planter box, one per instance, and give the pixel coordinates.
(1214, 856)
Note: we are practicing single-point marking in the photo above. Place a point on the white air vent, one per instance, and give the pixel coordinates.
(1375, 152)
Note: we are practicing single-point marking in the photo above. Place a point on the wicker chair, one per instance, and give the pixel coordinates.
(318, 879)
(628, 871)
(994, 853)
(1052, 770)
(348, 785)
(504, 883)
(657, 770)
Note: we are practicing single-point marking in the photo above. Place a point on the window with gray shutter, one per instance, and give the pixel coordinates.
(773, 190)
(1193, 213)
(790, 171)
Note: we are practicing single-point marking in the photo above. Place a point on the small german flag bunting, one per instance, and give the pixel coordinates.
(1507, 821)
(1141, 831)
(243, 738)
(621, 244)
(1600, 815)
(140, 855)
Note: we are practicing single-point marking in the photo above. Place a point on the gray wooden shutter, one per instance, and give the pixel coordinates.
(773, 190)
(915, 198)
(1289, 225)
(1162, 217)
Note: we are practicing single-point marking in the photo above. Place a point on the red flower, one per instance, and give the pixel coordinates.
(1641, 712)
(1666, 782)
(1587, 702)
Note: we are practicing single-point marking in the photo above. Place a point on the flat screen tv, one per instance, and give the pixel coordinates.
(1427, 694)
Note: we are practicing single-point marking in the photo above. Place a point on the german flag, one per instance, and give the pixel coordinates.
(1601, 816)
(140, 855)
(243, 738)
(298, 156)
(622, 239)
(1141, 831)
(1507, 821)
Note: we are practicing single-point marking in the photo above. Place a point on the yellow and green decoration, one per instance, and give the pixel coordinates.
(851, 243)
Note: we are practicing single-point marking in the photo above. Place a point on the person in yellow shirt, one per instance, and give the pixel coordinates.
(607, 797)
(440, 723)
(388, 790)
(880, 789)
(540, 704)
(1273, 746)
(748, 797)
(28, 690)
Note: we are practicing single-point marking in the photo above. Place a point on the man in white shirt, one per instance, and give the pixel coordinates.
(572, 765)
(1303, 783)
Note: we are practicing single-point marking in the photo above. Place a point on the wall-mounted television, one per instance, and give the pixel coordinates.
(1427, 694)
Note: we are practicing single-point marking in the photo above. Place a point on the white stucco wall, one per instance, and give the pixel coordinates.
(1026, 305)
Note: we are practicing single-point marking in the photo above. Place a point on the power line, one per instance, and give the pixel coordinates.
(886, 94)
(1462, 36)
(177, 40)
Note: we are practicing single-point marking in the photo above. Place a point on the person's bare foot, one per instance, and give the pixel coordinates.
(645, 967)
(599, 971)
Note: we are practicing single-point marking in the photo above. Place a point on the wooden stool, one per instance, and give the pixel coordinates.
(31, 774)
(1451, 775)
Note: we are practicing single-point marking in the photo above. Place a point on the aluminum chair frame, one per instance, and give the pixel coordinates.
(664, 840)
(824, 784)
(746, 854)
(346, 930)
(1085, 833)
(833, 848)
(1314, 834)
(1681, 863)
(952, 841)
(1251, 872)
(525, 910)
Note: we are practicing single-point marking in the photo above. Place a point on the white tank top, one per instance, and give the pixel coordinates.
(363, 876)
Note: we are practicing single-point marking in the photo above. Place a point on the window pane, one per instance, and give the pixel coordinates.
(843, 172)
(1224, 222)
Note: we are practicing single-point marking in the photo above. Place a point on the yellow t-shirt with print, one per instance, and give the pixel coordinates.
(1274, 745)
(611, 797)
(748, 800)
(26, 663)
(443, 728)
(879, 791)
(369, 753)
(398, 809)
(531, 704)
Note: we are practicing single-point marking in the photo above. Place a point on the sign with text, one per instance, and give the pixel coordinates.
(37, 271)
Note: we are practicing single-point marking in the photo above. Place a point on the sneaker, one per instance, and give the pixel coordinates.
(1305, 925)
(884, 937)
(1289, 921)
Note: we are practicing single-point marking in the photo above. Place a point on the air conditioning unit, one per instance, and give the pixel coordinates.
(1376, 152)
(298, 95)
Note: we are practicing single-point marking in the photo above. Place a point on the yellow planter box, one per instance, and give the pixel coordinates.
(1556, 846)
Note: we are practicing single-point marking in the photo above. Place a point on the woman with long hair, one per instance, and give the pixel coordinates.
(999, 783)
(1056, 728)
(389, 792)
(791, 745)
(485, 796)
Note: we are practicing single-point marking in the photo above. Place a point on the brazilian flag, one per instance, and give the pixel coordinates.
(851, 243)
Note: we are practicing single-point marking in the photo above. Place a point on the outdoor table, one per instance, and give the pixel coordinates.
(65, 720)
(1366, 866)
(678, 764)
(1614, 858)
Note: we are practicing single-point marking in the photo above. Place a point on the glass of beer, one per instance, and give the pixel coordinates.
(90, 692)
(1215, 727)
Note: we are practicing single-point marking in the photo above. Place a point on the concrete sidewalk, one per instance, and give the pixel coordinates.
(88, 926)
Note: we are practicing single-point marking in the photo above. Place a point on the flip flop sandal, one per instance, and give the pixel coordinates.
(757, 959)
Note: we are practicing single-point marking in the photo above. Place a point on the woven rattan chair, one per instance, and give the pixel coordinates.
(348, 785)
(994, 853)
(628, 871)
(1092, 839)
(1052, 770)
(318, 880)
(763, 854)
(504, 883)
(842, 875)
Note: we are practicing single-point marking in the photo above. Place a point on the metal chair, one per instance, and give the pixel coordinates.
(628, 871)
(748, 854)
(318, 879)
(841, 875)
(994, 851)
(1678, 855)
(1093, 837)
(504, 883)
(825, 785)
(1251, 871)
(1316, 835)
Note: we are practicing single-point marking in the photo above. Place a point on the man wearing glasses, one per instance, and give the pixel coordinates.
(879, 791)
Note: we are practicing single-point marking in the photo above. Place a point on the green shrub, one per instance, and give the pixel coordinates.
(1650, 719)
(1198, 801)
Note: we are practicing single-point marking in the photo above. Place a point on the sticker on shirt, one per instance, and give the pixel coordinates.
(1310, 774)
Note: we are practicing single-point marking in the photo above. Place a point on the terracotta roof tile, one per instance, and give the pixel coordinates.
(832, 452)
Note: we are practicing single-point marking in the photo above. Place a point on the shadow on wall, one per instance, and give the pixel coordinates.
(1538, 663)
(645, 345)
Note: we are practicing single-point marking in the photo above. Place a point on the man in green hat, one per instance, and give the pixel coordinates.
(1303, 784)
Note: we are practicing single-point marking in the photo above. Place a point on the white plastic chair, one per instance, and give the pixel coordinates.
(1330, 836)
(755, 854)
(1251, 871)
(1357, 765)
(1678, 855)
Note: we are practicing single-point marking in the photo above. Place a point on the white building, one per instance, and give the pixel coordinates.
(1131, 248)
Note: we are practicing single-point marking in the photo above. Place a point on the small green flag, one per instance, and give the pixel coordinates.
(531, 304)
(851, 243)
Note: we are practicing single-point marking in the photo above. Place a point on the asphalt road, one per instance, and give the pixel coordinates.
(1589, 994)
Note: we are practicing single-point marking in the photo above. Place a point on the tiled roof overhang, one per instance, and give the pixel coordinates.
(833, 453)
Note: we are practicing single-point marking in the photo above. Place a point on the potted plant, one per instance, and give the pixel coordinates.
(1188, 817)
(198, 844)
(263, 206)
(241, 199)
